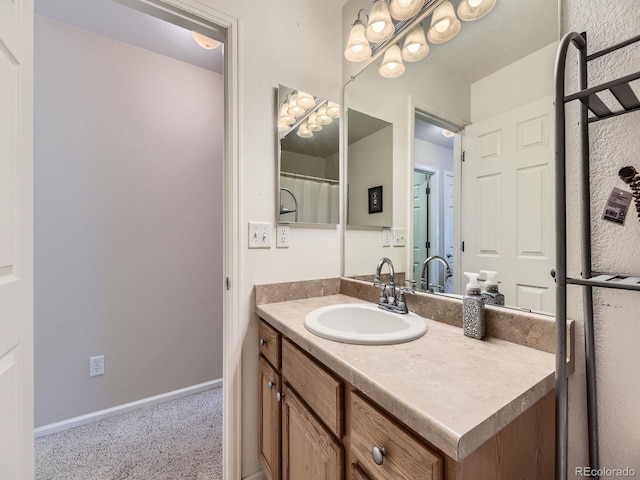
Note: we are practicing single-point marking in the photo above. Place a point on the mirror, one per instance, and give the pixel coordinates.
(495, 66)
(308, 158)
(370, 171)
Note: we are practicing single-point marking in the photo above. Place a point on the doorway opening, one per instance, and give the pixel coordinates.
(126, 218)
(433, 202)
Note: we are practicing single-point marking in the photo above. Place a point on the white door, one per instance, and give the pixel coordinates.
(448, 229)
(16, 239)
(508, 198)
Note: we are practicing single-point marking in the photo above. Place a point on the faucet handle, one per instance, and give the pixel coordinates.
(383, 292)
(412, 286)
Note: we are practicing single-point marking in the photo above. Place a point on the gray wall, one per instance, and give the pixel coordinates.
(128, 216)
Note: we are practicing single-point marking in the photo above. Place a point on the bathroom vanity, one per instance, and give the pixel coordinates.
(443, 406)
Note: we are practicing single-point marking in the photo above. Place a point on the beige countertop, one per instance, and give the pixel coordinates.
(455, 391)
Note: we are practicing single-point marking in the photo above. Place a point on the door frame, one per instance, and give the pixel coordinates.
(456, 125)
(225, 27)
(433, 209)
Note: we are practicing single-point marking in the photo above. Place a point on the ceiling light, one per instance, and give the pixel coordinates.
(415, 45)
(358, 48)
(205, 42)
(380, 26)
(444, 24)
(405, 9)
(304, 132)
(305, 100)
(447, 133)
(333, 110)
(470, 10)
(294, 109)
(392, 65)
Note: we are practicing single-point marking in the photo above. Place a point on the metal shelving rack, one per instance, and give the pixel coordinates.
(592, 109)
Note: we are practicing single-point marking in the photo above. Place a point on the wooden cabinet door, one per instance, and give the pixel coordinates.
(357, 473)
(270, 416)
(309, 451)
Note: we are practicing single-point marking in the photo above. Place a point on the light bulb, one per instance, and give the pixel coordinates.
(305, 100)
(378, 26)
(475, 3)
(323, 118)
(413, 48)
(294, 109)
(358, 48)
(447, 133)
(304, 132)
(442, 25)
(470, 10)
(392, 65)
(404, 3)
(333, 110)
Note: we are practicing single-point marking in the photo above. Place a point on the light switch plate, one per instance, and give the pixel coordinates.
(259, 235)
(386, 237)
(398, 237)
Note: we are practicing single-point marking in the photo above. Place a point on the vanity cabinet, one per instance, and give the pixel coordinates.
(313, 425)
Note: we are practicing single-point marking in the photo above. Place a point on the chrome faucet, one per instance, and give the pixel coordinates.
(387, 299)
(423, 279)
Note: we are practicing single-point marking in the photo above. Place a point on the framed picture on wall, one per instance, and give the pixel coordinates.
(375, 199)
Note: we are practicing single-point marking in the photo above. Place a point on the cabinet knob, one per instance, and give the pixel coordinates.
(378, 455)
(271, 384)
(263, 342)
(279, 396)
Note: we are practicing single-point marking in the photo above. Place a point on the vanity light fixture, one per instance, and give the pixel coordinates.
(284, 115)
(392, 65)
(470, 10)
(205, 42)
(404, 9)
(306, 120)
(415, 46)
(444, 24)
(368, 39)
(380, 26)
(358, 48)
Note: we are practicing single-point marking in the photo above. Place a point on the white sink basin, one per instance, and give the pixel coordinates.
(364, 324)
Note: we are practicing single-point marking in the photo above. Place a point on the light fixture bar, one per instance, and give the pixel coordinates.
(405, 26)
(302, 118)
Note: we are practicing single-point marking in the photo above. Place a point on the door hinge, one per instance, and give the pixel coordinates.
(228, 283)
(428, 245)
(462, 246)
(463, 153)
(428, 191)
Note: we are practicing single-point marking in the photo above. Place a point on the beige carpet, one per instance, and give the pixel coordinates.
(176, 440)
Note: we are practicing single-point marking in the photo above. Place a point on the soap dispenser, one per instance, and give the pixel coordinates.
(473, 321)
(490, 292)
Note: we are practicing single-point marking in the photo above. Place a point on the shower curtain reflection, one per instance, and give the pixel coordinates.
(310, 199)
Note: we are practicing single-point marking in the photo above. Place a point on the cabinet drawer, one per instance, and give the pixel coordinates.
(323, 392)
(269, 343)
(406, 456)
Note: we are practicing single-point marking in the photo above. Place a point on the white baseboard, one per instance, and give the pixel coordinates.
(256, 476)
(127, 407)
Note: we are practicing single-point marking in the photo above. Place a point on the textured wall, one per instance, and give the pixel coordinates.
(128, 241)
(614, 143)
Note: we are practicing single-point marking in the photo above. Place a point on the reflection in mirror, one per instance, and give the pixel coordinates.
(309, 173)
(370, 171)
(493, 85)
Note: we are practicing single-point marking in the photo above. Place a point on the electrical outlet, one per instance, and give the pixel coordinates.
(398, 237)
(386, 237)
(96, 366)
(259, 235)
(282, 238)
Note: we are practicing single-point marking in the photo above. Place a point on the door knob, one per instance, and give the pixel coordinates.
(263, 342)
(279, 396)
(271, 384)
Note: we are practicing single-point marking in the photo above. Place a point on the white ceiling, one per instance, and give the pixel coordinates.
(110, 19)
(432, 134)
